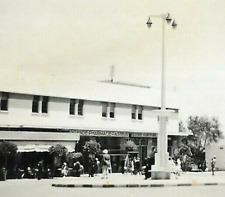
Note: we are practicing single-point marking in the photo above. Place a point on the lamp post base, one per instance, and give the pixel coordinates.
(157, 175)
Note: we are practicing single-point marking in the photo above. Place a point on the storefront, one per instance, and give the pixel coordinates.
(34, 146)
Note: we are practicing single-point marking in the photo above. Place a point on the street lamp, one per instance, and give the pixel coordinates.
(161, 169)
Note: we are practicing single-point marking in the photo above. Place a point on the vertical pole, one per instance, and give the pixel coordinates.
(163, 96)
(161, 168)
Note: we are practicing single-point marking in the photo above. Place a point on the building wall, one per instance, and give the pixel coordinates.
(20, 114)
(218, 150)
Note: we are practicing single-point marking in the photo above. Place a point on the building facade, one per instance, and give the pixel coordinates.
(36, 113)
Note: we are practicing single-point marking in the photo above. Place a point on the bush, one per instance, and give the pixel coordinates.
(92, 147)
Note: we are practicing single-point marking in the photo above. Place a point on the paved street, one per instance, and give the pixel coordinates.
(43, 188)
(35, 188)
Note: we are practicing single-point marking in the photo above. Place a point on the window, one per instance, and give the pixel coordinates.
(80, 107)
(45, 104)
(136, 113)
(72, 106)
(140, 109)
(104, 109)
(133, 113)
(4, 101)
(35, 104)
(112, 110)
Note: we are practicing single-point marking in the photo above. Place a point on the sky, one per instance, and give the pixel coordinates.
(82, 39)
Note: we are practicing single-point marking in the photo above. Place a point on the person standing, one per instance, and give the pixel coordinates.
(76, 168)
(150, 161)
(105, 164)
(40, 169)
(213, 164)
(65, 169)
(91, 167)
(97, 166)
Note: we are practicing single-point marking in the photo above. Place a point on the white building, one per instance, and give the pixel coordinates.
(218, 150)
(38, 111)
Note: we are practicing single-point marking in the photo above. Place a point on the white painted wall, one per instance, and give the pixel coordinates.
(20, 114)
(218, 150)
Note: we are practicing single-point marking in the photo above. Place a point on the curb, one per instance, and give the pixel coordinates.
(133, 185)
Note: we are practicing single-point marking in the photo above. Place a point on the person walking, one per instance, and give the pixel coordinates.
(213, 164)
(105, 164)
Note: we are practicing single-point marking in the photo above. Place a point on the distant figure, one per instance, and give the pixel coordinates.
(132, 164)
(105, 164)
(64, 169)
(97, 166)
(40, 169)
(127, 164)
(91, 167)
(213, 164)
(77, 169)
(122, 163)
(204, 166)
(29, 174)
(178, 164)
(150, 161)
(137, 165)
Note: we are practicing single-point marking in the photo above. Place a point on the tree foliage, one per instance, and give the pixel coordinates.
(74, 155)
(130, 145)
(204, 131)
(58, 150)
(7, 149)
(92, 146)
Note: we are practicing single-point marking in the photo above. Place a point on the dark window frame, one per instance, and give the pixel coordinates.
(44, 107)
(35, 104)
(4, 101)
(133, 112)
(140, 112)
(104, 112)
(112, 110)
(72, 106)
(80, 108)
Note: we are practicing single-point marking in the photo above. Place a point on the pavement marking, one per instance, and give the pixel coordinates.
(134, 185)
(157, 185)
(184, 184)
(210, 183)
(87, 185)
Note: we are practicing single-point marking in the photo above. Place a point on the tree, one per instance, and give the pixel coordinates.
(205, 131)
(72, 157)
(92, 147)
(58, 151)
(7, 149)
(130, 145)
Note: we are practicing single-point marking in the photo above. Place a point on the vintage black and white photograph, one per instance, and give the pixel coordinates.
(112, 98)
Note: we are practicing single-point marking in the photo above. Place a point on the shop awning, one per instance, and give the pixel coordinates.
(41, 147)
(36, 136)
(40, 141)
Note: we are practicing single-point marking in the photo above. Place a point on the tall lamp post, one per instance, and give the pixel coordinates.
(161, 169)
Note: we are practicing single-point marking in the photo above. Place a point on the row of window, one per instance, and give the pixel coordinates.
(40, 105)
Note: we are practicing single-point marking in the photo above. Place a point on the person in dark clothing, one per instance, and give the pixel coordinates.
(29, 174)
(76, 169)
(150, 161)
(40, 169)
(122, 165)
(91, 167)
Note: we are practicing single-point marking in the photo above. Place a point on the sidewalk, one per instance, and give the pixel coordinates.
(128, 180)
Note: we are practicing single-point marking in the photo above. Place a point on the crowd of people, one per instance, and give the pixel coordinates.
(130, 164)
